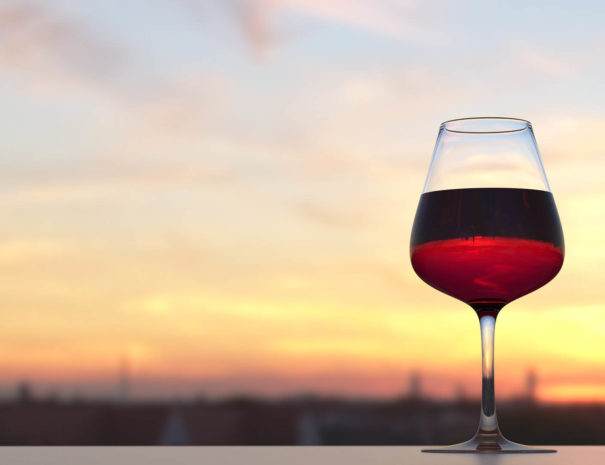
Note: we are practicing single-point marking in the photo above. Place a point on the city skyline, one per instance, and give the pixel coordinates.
(127, 389)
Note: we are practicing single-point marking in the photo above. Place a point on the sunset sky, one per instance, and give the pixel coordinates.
(220, 193)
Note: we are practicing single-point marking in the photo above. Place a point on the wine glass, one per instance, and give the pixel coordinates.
(487, 232)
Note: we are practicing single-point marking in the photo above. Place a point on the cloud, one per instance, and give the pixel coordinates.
(96, 181)
(22, 251)
(542, 63)
(571, 138)
(259, 20)
(53, 50)
(50, 53)
(255, 19)
(398, 19)
(54, 53)
(325, 217)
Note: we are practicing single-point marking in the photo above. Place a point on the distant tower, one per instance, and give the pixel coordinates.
(124, 380)
(531, 383)
(415, 386)
(460, 393)
(24, 393)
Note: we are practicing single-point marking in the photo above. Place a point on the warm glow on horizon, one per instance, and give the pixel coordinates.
(573, 393)
(222, 196)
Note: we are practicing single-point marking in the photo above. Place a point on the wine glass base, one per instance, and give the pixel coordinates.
(485, 443)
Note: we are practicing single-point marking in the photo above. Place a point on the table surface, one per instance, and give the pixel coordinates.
(246, 455)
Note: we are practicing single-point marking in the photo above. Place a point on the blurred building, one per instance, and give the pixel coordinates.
(531, 385)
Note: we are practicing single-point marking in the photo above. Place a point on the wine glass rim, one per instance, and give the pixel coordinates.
(516, 125)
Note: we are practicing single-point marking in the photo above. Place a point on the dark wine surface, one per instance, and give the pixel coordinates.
(487, 246)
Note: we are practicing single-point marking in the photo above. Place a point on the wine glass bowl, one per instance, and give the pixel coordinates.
(487, 232)
(487, 246)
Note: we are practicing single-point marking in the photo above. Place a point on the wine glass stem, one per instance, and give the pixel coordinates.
(488, 423)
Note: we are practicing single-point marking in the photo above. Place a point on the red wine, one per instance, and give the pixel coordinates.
(487, 246)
